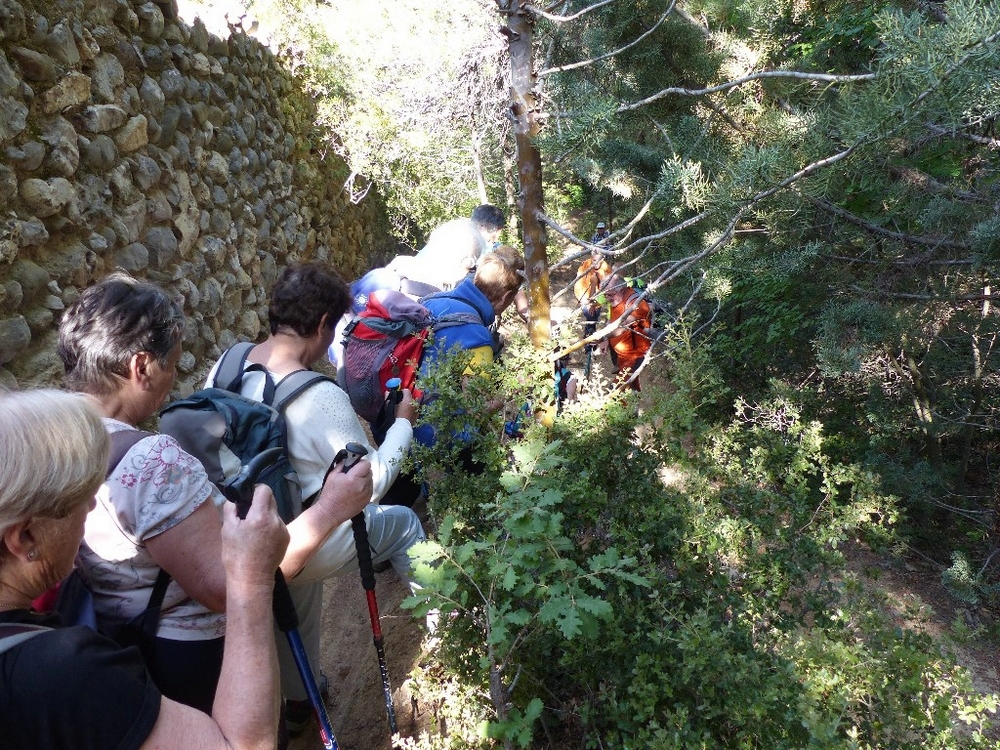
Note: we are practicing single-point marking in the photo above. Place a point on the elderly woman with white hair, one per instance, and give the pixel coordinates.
(69, 687)
(157, 509)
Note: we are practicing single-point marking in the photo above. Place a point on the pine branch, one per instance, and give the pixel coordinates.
(874, 229)
(953, 67)
(801, 75)
(591, 61)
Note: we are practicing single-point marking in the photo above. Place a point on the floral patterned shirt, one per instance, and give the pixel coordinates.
(154, 487)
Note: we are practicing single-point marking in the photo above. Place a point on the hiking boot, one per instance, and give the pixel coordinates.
(298, 714)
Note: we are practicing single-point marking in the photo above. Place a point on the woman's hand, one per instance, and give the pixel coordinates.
(346, 495)
(407, 408)
(252, 547)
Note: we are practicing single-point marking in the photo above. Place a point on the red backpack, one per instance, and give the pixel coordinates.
(386, 340)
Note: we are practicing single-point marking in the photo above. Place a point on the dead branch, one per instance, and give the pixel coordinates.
(591, 61)
(681, 91)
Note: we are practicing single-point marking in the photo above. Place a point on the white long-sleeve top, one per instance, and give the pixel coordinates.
(320, 422)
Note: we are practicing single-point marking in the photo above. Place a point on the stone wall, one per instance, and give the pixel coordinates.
(130, 140)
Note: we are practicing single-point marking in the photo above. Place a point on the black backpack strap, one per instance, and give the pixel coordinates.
(229, 374)
(14, 634)
(159, 590)
(269, 389)
(121, 443)
(293, 385)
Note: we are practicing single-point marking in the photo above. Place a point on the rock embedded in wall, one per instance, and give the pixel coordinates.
(130, 139)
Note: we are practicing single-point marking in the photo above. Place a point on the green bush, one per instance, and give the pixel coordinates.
(589, 603)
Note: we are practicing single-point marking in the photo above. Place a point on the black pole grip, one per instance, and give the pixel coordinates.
(354, 452)
(239, 489)
(285, 616)
(364, 551)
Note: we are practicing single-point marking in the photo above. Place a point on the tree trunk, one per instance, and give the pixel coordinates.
(510, 185)
(978, 392)
(525, 109)
(477, 162)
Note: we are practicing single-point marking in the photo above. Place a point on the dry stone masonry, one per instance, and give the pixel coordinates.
(129, 139)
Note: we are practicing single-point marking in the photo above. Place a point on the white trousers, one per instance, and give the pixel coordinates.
(392, 530)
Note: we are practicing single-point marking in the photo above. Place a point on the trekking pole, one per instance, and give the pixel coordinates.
(239, 490)
(387, 415)
(353, 453)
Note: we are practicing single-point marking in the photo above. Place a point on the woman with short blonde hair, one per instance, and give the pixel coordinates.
(69, 688)
(61, 433)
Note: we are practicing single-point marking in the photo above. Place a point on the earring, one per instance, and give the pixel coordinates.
(32, 554)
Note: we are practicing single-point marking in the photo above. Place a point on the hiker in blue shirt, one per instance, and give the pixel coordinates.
(451, 254)
(487, 294)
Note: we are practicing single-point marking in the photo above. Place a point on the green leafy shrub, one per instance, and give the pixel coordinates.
(590, 603)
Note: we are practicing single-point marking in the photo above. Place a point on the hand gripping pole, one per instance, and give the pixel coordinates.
(239, 490)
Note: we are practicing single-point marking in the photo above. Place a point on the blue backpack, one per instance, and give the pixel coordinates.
(224, 429)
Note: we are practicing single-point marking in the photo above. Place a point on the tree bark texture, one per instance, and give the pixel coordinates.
(525, 109)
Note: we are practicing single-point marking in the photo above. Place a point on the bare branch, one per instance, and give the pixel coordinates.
(679, 267)
(993, 143)
(681, 91)
(874, 229)
(703, 28)
(907, 262)
(562, 19)
(804, 172)
(945, 297)
(583, 63)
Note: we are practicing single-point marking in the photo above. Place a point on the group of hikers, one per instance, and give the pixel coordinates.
(83, 490)
(601, 287)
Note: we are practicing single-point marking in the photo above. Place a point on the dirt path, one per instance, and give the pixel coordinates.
(356, 703)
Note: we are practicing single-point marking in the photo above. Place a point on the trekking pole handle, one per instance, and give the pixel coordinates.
(350, 454)
(239, 489)
(395, 394)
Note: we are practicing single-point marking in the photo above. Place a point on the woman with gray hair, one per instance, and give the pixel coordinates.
(69, 687)
(120, 342)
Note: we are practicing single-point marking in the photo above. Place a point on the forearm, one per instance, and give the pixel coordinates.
(309, 531)
(246, 706)
(388, 459)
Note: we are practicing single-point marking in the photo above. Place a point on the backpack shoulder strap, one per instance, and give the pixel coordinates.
(416, 288)
(14, 634)
(447, 320)
(293, 385)
(159, 590)
(121, 443)
(229, 374)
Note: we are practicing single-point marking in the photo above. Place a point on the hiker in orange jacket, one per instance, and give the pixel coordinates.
(592, 272)
(629, 342)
